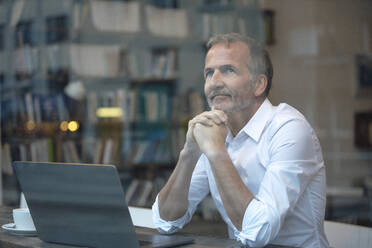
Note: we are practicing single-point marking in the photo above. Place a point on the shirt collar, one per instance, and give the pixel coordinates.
(257, 123)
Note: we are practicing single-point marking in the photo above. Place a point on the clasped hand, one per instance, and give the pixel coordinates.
(207, 131)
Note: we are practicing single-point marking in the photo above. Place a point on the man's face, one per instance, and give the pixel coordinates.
(228, 81)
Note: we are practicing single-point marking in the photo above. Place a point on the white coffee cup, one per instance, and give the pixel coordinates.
(23, 220)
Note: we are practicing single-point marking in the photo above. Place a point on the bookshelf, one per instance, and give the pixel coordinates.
(81, 85)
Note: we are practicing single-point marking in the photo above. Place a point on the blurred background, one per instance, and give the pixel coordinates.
(115, 82)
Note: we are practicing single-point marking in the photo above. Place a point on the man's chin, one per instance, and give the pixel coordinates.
(220, 107)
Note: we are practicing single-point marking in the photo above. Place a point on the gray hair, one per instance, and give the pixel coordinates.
(260, 59)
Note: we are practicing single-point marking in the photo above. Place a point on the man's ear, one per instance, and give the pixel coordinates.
(261, 84)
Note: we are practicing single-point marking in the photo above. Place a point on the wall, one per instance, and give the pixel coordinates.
(315, 71)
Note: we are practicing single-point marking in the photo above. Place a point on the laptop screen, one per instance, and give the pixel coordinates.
(77, 204)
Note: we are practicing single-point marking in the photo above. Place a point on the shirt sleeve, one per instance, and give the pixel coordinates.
(294, 159)
(199, 188)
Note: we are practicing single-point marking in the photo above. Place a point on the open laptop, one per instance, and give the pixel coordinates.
(83, 205)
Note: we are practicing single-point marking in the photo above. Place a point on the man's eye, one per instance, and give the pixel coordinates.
(230, 70)
(208, 74)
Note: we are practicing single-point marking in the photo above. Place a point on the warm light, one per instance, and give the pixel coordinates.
(113, 112)
(73, 126)
(30, 125)
(64, 126)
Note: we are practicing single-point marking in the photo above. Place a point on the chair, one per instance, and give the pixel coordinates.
(141, 217)
(342, 235)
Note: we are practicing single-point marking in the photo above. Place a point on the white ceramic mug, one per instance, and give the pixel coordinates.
(23, 220)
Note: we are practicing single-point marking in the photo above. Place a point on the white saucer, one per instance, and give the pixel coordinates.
(12, 229)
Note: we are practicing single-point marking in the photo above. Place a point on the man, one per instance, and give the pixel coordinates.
(262, 164)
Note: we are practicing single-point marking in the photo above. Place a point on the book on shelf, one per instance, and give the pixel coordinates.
(151, 151)
(122, 101)
(139, 193)
(37, 109)
(29, 107)
(66, 156)
(50, 149)
(95, 60)
(69, 152)
(119, 98)
(167, 22)
(88, 151)
(23, 34)
(56, 57)
(123, 17)
(160, 63)
(77, 15)
(133, 105)
(216, 24)
(48, 106)
(108, 151)
(133, 65)
(23, 152)
(145, 193)
(147, 63)
(124, 63)
(159, 151)
(98, 151)
(57, 29)
(21, 109)
(26, 61)
(80, 14)
(92, 105)
(151, 106)
(131, 190)
(141, 148)
(38, 150)
(61, 108)
(16, 12)
(42, 108)
(170, 70)
(43, 150)
(72, 152)
(9, 112)
(163, 106)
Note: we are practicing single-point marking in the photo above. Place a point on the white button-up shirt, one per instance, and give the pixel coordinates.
(279, 159)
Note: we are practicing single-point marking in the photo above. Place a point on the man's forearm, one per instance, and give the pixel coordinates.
(234, 194)
(172, 198)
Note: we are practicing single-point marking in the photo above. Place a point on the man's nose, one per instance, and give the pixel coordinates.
(217, 79)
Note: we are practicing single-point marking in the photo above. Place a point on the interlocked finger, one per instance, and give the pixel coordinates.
(217, 116)
(202, 119)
